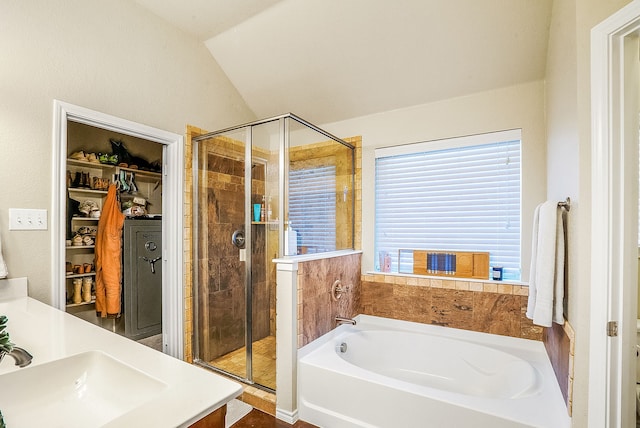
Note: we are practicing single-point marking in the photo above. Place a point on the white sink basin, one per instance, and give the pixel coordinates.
(84, 390)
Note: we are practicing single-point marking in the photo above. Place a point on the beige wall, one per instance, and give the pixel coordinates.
(520, 106)
(569, 165)
(110, 56)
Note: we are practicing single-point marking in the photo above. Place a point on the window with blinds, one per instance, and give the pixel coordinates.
(312, 208)
(464, 197)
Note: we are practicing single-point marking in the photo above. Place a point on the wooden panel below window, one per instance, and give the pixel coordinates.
(453, 264)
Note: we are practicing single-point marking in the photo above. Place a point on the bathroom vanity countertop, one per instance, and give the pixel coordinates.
(49, 334)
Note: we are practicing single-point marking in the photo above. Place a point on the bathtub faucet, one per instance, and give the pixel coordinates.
(342, 320)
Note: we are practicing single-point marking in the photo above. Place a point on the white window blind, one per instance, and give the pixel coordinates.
(456, 199)
(312, 207)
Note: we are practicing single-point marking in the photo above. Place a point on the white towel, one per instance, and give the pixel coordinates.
(546, 280)
(3, 266)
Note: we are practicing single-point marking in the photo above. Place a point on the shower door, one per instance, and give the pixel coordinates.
(237, 176)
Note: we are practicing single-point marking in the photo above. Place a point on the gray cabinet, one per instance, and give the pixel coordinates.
(142, 277)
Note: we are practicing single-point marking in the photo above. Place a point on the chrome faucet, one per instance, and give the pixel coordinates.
(343, 320)
(21, 356)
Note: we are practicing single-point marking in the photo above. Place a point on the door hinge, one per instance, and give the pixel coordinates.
(612, 328)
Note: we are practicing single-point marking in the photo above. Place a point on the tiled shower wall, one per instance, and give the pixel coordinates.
(222, 290)
(191, 132)
(316, 309)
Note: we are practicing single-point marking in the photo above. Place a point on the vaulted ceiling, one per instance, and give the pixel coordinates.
(331, 60)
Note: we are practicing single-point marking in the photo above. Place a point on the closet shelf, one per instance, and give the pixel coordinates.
(80, 275)
(79, 247)
(76, 305)
(90, 191)
(139, 172)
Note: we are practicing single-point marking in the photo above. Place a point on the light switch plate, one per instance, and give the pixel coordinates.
(27, 219)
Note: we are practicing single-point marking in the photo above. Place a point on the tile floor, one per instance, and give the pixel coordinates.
(154, 342)
(264, 362)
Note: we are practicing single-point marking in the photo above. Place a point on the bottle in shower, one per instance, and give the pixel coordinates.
(262, 210)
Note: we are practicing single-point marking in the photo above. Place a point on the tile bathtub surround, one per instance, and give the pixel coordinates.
(559, 340)
(497, 308)
(316, 309)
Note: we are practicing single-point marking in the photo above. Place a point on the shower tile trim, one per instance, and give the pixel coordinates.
(316, 256)
(191, 132)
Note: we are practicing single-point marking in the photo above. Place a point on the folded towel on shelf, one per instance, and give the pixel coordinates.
(546, 280)
(3, 266)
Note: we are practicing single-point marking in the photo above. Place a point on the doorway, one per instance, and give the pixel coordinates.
(91, 168)
(172, 216)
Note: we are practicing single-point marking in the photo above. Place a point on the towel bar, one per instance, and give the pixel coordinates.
(566, 204)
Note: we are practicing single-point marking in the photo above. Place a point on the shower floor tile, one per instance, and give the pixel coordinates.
(264, 362)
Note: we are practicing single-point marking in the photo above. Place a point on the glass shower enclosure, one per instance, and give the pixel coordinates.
(273, 188)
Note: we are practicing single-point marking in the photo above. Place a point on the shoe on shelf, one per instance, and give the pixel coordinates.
(77, 240)
(77, 290)
(81, 156)
(93, 158)
(77, 181)
(85, 181)
(87, 206)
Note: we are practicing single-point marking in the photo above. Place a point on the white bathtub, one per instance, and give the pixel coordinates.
(399, 374)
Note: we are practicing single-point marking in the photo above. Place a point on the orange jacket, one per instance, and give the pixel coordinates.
(108, 254)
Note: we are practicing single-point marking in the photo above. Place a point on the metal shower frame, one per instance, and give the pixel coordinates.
(283, 161)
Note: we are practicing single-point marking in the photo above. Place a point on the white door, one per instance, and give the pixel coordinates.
(615, 99)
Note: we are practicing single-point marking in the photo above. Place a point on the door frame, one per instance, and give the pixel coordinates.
(614, 216)
(172, 214)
